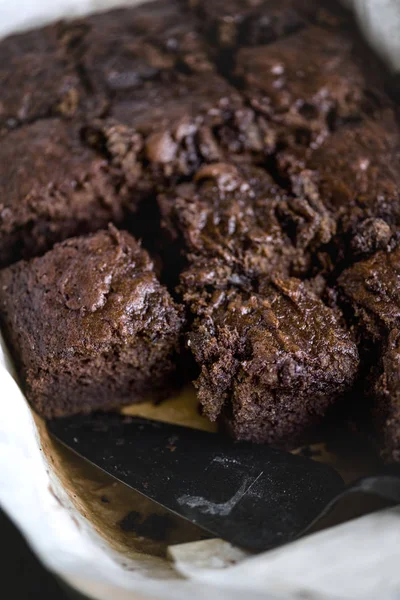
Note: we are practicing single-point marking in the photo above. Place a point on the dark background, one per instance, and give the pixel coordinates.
(22, 573)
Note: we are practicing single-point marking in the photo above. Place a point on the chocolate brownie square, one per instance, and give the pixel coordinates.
(52, 187)
(36, 79)
(89, 325)
(272, 362)
(306, 84)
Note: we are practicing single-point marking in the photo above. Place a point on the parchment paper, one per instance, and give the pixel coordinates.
(105, 540)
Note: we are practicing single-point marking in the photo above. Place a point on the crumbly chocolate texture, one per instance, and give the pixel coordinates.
(175, 128)
(52, 187)
(156, 110)
(90, 326)
(237, 216)
(272, 357)
(36, 79)
(272, 362)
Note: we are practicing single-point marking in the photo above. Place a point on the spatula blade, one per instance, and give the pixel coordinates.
(250, 495)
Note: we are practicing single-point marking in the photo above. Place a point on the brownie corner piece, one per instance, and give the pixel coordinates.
(89, 325)
(272, 363)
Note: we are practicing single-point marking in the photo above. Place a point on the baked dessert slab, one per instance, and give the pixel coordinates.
(271, 362)
(253, 148)
(52, 187)
(233, 213)
(89, 325)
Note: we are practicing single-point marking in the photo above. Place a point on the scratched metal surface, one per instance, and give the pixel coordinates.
(251, 495)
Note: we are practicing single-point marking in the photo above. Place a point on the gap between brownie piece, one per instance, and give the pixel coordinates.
(89, 326)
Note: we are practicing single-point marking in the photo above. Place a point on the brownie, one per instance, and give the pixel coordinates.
(372, 288)
(305, 84)
(364, 202)
(252, 147)
(118, 51)
(159, 80)
(385, 391)
(271, 363)
(237, 215)
(53, 187)
(89, 325)
(260, 341)
(36, 79)
(178, 127)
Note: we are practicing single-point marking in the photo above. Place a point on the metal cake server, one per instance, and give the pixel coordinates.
(250, 495)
